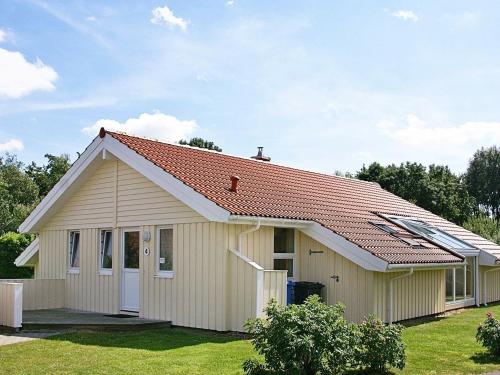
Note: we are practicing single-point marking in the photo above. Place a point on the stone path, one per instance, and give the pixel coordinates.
(15, 338)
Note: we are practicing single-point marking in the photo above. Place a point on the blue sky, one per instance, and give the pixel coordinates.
(323, 85)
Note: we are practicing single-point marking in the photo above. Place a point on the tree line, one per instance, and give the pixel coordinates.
(471, 199)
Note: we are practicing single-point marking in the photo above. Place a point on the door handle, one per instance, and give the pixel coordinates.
(335, 277)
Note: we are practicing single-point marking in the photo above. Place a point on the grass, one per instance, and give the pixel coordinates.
(436, 346)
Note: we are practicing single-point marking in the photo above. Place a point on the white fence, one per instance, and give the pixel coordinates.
(11, 304)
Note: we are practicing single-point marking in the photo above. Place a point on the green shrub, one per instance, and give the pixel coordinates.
(380, 345)
(488, 334)
(302, 339)
(11, 245)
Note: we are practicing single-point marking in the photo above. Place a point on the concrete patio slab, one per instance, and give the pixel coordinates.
(74, 319)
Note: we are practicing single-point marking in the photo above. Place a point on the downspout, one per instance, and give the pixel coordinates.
(476, 280)
(391, 287)
(485, 294)
(240, 237)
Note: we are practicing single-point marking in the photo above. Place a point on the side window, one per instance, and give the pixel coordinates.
(74, 250)
(165, 253)
(106, 255)
(284, 250)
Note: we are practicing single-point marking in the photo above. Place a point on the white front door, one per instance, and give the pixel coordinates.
(130, 270)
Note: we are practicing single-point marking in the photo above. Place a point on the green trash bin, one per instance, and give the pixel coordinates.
(304, 289)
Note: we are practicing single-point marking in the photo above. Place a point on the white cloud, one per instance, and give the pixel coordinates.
(19, 77)
(417, 133)
(11, 145)
(3, 36)
(155, 125)
(164, 16)
(230, 3)
(406, 15)
(91, 18)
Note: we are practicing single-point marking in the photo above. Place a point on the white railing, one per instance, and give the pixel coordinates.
(250, 288)
(11, 304)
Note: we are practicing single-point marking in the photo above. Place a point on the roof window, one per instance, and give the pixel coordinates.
(432, 233)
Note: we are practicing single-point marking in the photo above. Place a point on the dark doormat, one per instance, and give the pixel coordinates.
(120, 316)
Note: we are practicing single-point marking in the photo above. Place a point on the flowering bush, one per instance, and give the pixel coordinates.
(380, 345)
(488, 334)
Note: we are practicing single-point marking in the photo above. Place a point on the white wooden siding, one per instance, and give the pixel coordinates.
(421, 294)
(89, 290)
(41, 294)
(141, 202)
(493, 288)
(91, 205)
(355, 286)
(274, 287)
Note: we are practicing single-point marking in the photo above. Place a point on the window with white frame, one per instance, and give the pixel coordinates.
(284, 254)
(460, 282)
(106, 255)
(74, 250)
(165, 253)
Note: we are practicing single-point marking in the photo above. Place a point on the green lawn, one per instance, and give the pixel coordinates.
(440, 346)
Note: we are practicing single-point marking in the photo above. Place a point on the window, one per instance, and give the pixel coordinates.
(460, 282)
(165, 258)
(106, 258)
(74, 250)
(395, 233)
(436, 235)
(284, 251)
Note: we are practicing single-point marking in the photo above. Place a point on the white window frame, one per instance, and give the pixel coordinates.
(292, 256)
(463, 269)
(160, 273)
(74, 270)
(105, 271)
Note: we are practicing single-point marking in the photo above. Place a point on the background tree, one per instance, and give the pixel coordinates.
(483, 180)
(18, 194)
(201, 143)
(11, 245)
(434, 188)
(46, 176)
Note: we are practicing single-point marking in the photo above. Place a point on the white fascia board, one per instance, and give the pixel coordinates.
(487, 259)
(165, 180)
(345, 248)
(28, 253)
(269, 221)
(64, 183)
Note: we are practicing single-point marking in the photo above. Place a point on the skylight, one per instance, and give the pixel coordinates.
(432, 233)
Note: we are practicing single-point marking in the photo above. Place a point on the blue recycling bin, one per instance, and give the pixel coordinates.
(289, 292)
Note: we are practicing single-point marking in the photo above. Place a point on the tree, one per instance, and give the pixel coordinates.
(48, 175)
(434, 188)
(483, 180)
(18, 194)
(201, 143)
(11, 245)
(483, 226)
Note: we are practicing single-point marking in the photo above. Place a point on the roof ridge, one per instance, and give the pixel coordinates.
(243, 158)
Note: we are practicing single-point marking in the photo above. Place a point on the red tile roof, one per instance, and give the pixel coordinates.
(345, 206)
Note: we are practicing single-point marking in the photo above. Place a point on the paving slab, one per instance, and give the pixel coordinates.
(15, 338)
